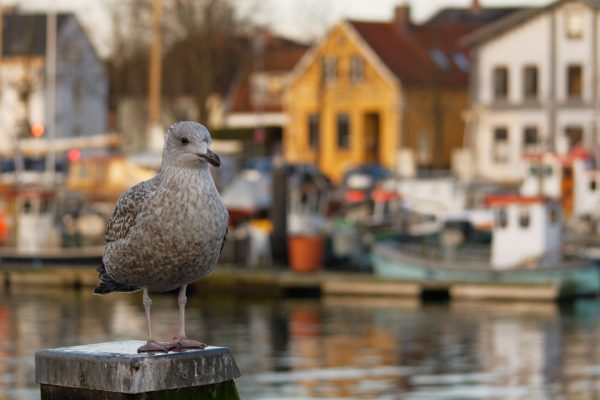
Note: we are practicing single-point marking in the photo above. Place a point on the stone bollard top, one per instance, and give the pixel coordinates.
(117, 367)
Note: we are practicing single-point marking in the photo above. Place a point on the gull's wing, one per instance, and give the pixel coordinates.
(127, 209)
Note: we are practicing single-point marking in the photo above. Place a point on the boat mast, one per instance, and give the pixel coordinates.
(51, 95)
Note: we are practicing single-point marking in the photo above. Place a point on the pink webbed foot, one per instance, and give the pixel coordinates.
(152, 347)
(183, 344)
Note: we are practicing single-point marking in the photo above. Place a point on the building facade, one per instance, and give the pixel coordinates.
(370, 89)
(534, 86)
(81, 82)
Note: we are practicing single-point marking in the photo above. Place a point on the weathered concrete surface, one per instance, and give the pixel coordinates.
(116, 367)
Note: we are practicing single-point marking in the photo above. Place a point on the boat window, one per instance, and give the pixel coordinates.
(524, 218)
(502, 218)
(533, 170)
(593, 185)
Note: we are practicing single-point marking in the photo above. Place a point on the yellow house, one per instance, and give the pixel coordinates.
(369, 89)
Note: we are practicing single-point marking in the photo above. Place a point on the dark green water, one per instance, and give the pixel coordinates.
(332, 347)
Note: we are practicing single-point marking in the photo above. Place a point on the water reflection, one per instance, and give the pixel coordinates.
(333, 347)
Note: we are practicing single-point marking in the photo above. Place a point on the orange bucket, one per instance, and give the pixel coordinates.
(306, 253)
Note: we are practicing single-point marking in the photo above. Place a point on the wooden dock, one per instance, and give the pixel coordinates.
(271, 281)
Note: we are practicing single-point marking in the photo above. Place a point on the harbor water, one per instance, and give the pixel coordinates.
(333, 347)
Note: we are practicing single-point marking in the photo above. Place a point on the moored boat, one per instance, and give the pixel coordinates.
(523, 261)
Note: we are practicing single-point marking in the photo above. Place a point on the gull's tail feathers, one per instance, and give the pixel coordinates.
(107, 284)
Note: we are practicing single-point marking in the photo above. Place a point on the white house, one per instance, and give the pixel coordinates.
(534, 86)
(81, 82)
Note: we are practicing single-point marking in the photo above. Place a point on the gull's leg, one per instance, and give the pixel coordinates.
(151, 346)
(181, 342)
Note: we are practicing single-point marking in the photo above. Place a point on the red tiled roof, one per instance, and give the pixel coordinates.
(408, 53)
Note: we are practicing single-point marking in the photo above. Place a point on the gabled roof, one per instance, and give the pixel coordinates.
(422, 54)
(25, 34)
(429, 53)
(511, 21)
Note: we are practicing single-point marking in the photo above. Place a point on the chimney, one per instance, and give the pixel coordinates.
(475, 7)
(402, 17)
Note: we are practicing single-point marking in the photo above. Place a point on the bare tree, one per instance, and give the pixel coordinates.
(202, 48)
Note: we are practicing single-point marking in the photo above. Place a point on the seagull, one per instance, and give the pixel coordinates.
(168, 231)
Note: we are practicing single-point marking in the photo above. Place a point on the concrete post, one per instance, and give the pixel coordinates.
(114, 371)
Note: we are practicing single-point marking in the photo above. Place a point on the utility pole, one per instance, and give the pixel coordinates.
(154, 133)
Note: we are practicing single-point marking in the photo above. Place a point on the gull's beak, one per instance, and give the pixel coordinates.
(212, 158)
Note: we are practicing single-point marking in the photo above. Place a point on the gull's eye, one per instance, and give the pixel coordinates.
(184, 140)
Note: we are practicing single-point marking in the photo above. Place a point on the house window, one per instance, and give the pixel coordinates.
(500, 83)
(574, 23)
(329, 69)
(593, 185)
(343, 131)
(313, 130)
(500, 149)
(357, 69)
(574, 134)
(531, 138)
(530, 82)
(574, 81)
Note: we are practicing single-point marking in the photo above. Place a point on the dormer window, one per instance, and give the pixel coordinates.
(461, 61)
(439, 58)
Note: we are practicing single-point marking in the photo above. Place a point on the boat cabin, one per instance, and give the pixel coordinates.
(567, 178)
(527, 231)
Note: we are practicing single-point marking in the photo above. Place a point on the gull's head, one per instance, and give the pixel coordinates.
(187, 145)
